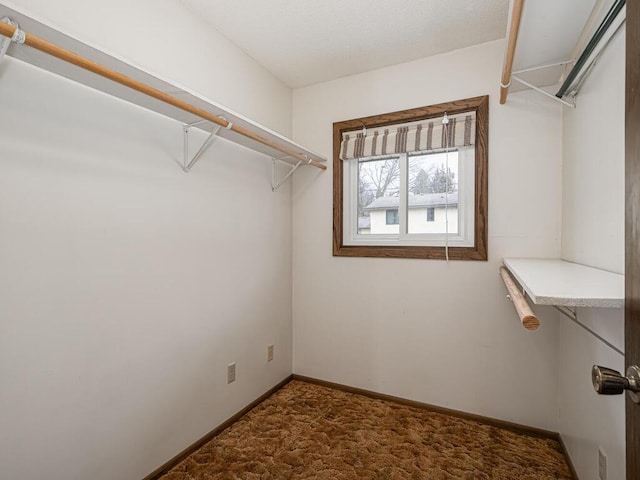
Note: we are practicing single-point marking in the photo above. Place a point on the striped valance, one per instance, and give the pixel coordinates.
(423, 136)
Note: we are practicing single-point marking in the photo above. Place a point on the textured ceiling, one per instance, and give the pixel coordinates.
(303, 42)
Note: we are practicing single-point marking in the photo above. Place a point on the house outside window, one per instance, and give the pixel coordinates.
(413, 184)
(421, 212)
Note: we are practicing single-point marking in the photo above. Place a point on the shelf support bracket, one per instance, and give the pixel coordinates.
(573, 316)
(275, 186)
(186, 163)
(567, 312)
(543, 92)
(17, 37)
(543, 67)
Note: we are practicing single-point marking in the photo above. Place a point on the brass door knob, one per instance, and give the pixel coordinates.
(607, 381)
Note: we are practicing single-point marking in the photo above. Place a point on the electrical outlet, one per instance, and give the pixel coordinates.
(602, 464)
(231, 372)
(269, 353)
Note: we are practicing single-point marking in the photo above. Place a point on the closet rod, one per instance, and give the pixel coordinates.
(514, 26)
(591, 46)
(86, 64)
(527, 317)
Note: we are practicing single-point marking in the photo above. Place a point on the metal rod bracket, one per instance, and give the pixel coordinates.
(573, 316)
(18, 37)
(543, 67)
(275, 186)
(567, 312)
(187, 163)
(543, 92)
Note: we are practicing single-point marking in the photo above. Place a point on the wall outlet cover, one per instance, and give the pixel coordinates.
(602, 464)
(269, 353)
(231, 372)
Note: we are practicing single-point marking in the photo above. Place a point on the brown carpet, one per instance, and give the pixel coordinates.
(305, 431)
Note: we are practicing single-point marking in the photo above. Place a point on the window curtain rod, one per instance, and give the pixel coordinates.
(591, 46)
(44, 46)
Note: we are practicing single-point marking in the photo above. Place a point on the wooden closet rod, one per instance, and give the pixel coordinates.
(514, 26)
(527, 317)
(75, 59)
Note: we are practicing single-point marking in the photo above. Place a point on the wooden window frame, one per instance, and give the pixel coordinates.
(481, 203)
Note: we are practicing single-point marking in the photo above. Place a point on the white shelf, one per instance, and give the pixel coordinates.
(561, 283)
(34, 57)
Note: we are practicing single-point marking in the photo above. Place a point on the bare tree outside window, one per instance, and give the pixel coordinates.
(430, 174)
(377, 178)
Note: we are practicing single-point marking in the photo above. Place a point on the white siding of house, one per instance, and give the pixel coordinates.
(379, 223)
(418, 221)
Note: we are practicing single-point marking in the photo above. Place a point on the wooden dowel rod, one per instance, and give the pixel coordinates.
(527, 318)
(86, 64)
(514, 26)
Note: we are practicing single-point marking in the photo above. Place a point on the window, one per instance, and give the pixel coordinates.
(431, 214)
(392, 217)
(413, 184)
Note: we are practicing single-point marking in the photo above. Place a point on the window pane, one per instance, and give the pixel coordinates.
(378, 191)
(433, 193)
(431, 214)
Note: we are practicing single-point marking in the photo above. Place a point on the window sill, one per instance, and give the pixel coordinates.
(429, 253)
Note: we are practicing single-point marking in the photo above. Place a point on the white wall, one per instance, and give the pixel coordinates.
(593, 234)
(162, 36)
(126, 285)
(436, 332)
